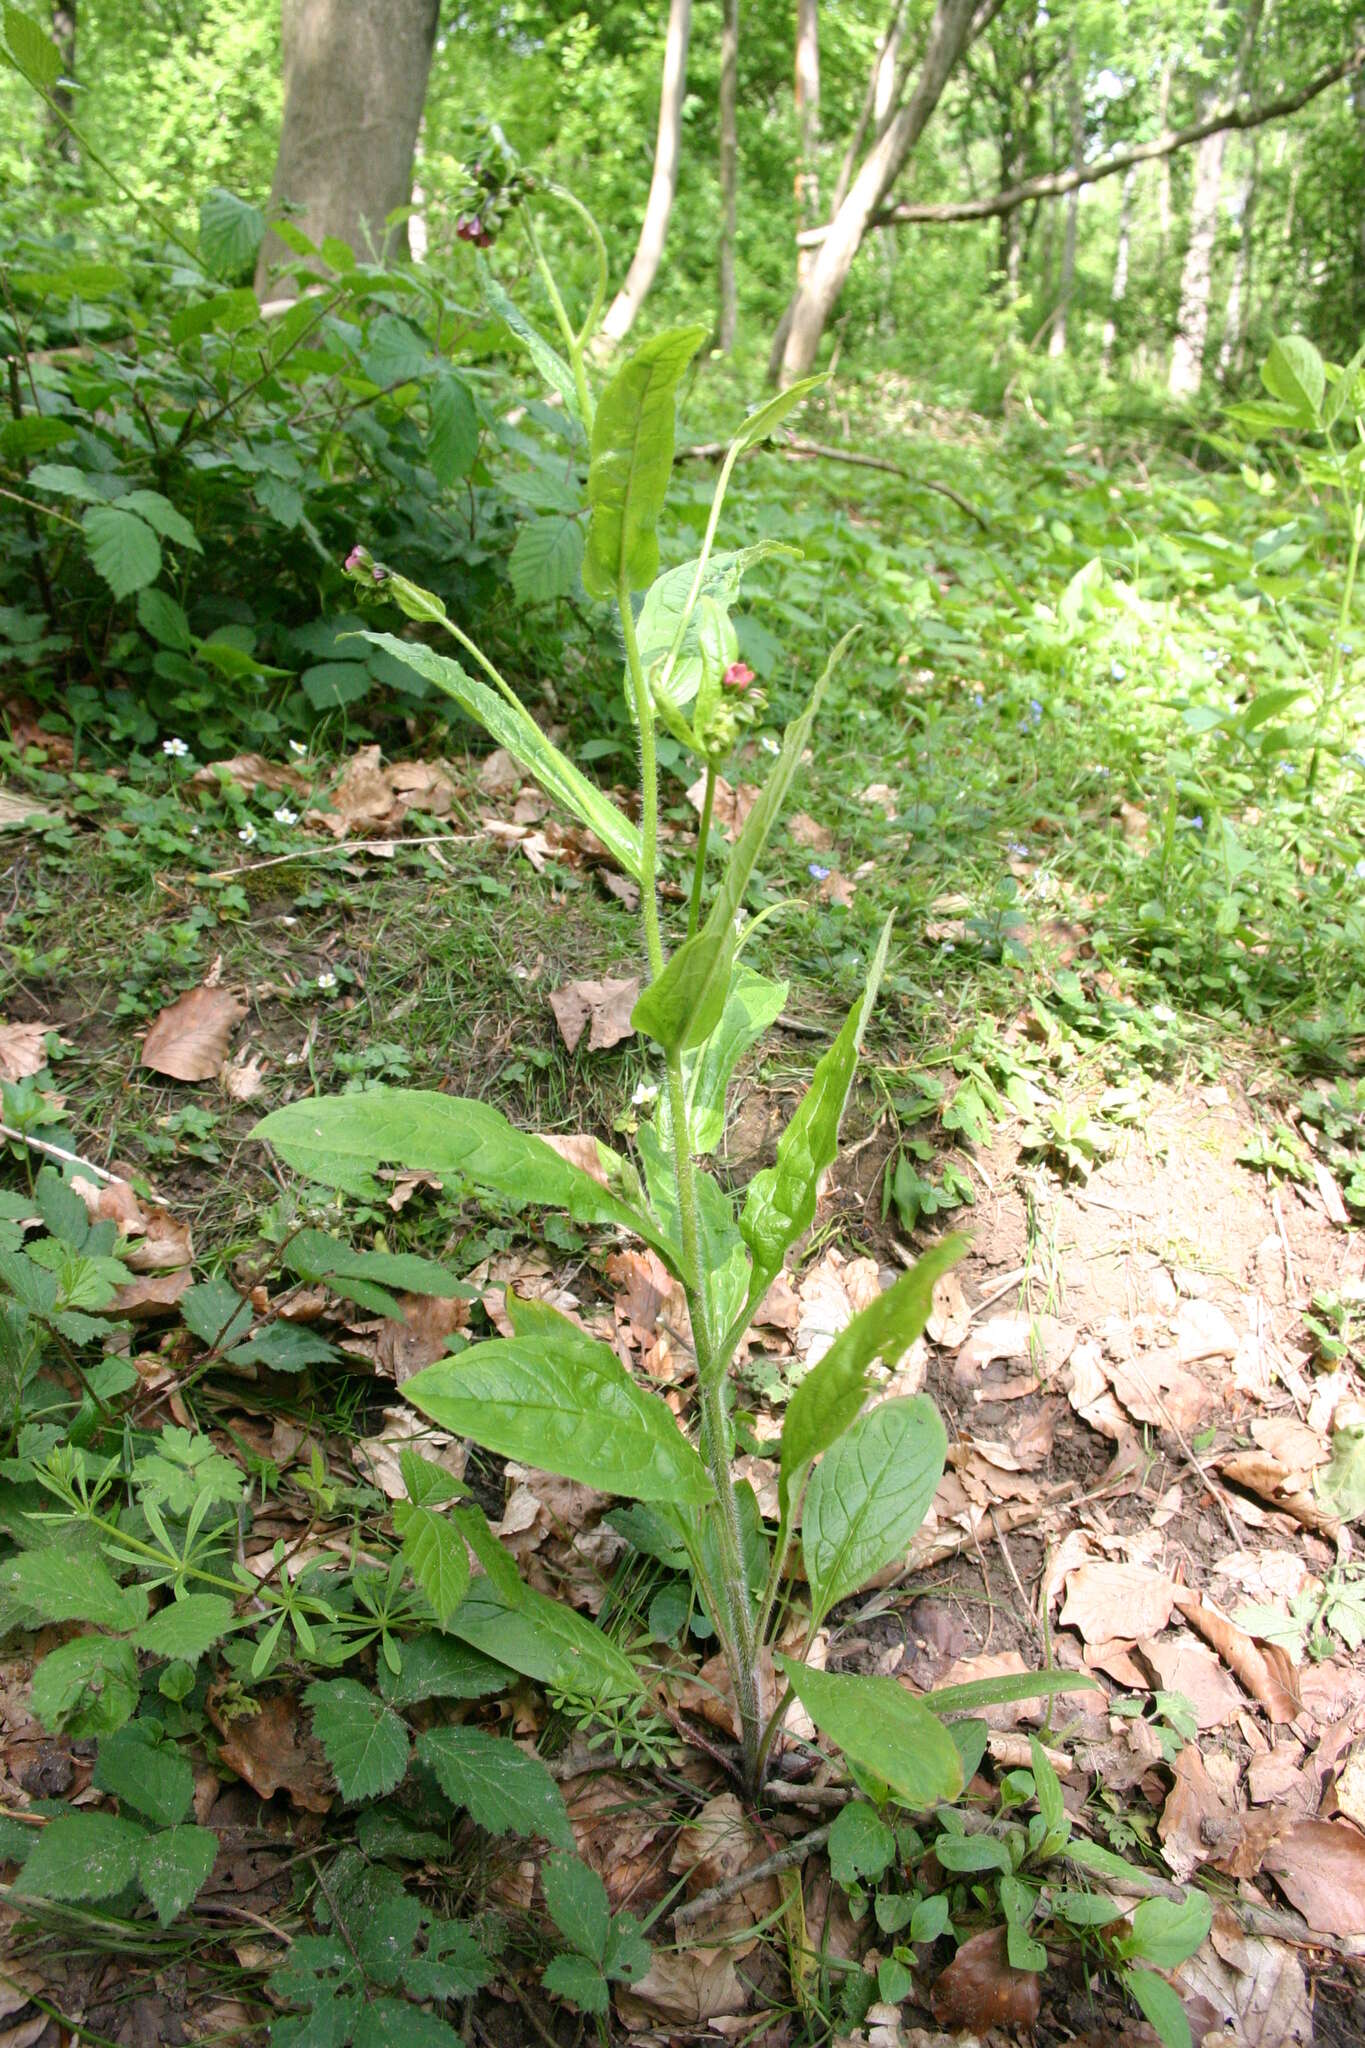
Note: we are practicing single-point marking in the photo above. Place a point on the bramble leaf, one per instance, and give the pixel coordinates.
(364, 1741)
(506, 1791)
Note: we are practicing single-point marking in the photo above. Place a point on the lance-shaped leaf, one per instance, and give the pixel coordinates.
(685, 1004)
(668, 603)
(340, 1140)
(830, 1397)
(554, 1397)
(780, 1204)
(726, 1269)
(868, 1496)
(544, 1640)
(882, 1729)
(1003, 1691)
(752, 1003)
(514, 728)
(632, 460)
(547, 359)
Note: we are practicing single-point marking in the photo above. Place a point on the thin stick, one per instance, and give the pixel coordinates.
(801, 451)
(279, 860)
(785, 1859)
(60, 1152)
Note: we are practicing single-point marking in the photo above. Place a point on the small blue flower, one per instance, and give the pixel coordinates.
(1035, 708)
(1117, 671)
(978, 698)
(1197, 822)
(814, 869)
(1017, 850)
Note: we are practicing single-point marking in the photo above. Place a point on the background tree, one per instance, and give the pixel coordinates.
(62, 141)
(728, 317)
(649, 249)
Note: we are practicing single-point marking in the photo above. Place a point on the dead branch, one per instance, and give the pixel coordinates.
(803, 451)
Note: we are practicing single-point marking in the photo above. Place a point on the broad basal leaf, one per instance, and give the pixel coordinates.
(82, 1856)
(1168, 1931)
(365, 1742)
(828, 1400)
(632, 460)
(868, 1496)
(505, 1790)
(545, 1640)
(173, 1866)
(146, 1774)
(1002, 1691)
(780, 1205)
(882, 1729)
(558, 1399)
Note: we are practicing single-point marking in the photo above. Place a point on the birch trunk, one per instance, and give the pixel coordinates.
(663, 184)
(808, 125)
(1196, 274)
(1075, 110)
(1119, 289)
(728, 318)
(1239, 289)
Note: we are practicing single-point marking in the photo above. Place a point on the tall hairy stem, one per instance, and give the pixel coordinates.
(735, 1622)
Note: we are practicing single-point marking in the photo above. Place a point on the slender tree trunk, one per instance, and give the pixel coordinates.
(729, 177)
(355, 79)
(1163, 178)
(1075, 109)
(1239, 289)
(1196, 275)
(808, 125)
(878, 102)
(1119, 289)
(60, 139)
(815, 299)
(663, 184)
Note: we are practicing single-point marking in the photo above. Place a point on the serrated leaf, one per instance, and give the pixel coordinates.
(149, 1775)
(122, 547)
(503, 1789)
(861, 1845)
(545, 560)
(160, 513)
(453, 435)
(31, 51)
(187, 1627)
(882, 1729)
(86, 1687)
(829, 1398)
(82, 1856)
(63, 1585)
(230, 232)
(439, 1667)
(393, 2023)
(579, 1980)
(173, 1866)
(868, 1496)
(363, 1739)
(558, 1399)
(578, 1904)
(435, 1554)
(631, 462)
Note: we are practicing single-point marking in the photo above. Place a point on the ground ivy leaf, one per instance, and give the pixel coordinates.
(173, 1865)
(505, 1791)
(365, 1742)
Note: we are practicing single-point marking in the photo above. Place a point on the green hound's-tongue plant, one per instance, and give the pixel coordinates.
(857, 1482)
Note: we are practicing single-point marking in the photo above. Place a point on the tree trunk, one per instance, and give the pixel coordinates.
(815, 299)
(1196, 274)
(60, 140)
(663, 184)
(355, 79)
(878, 103)
(1075, 110)
(1119, 289)
(1163, 181)
(729, 177)
(808, 126)
(1239, 289)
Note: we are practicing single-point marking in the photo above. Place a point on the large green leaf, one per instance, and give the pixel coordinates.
(82, 1856)
(632, 460)
(62, 1585)
(830, 1397)
(86, 1687)
(554, 1397)
(684, 1005)
(514, 728)
(505, 1790)
(546, 559)
(453, 435)
(122, 547)
(1167, 1931)
(363, 1740)
(868, 1496)
(752, 1003)
(1160, 2004)
(1293, 372)
(231, 231)
(666, 606)
(29, 50)
(780, 1205)
(339, 1141)
(545, 1640)
(881, 1728)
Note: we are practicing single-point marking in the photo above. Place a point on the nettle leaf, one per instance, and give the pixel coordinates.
(546, 559)
(145, 1772)
(632, 461)
(868, 1496)
(86, 1687)
(561, 1400)
(187, 1627)
(82, 1856)
(453, 435)
(230, 232)
(160, 513)
(122, 547)
(164, 619)
(363, 1739)
(579, 1980)
(780, 1204)
(830, 1397)
(578, 1904)
(435, 1553)
(506, 1791)
(340, 1141)
(514, 728)
(861, 1845)
(173, 1866)
(882, 1729)
(64, 1586)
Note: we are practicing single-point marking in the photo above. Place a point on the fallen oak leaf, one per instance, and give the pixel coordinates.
(1104, 1600)
(606, 1003)
(1320, 1867)
(188, 1041)
(1264, 1669)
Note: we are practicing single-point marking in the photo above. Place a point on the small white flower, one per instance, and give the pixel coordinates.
(327, 980)
(177, 749)
(1163, 1013)
(297, 747)
(247, 835)
(645, 1092)
(1360, 870)
(769, 744)
(284, 816)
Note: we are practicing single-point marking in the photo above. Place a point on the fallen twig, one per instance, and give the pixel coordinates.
(60, 1152)
(785, 1859)
(804, 451)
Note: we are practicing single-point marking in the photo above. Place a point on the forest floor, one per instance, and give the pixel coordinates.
(1150, 1120)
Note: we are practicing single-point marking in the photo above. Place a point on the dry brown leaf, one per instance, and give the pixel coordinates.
(244, 1077)
(718, 1844)
(685, 1989)
(731, 806)
(1001, 1337)
(500, 774)
(950, 1319)
(405, 1430)
(836, 889)
(364, 797)
(23, 1049)
(1255, 1984)
(275, 1751)
(606, 1003)
(151, 1296)
(406, 1185)
(1190, 1669)
(1125, 1600)
(806, 832)
(880, 796)
(981, 1988)
(189, 1040)
(403, 1348)
(18, 810)
(251, 771)
(1194, 1817)
(1319, 1865)
(1154, 1387)
(1264, 1669)
(617, 1832)
(1203, 1330)
(579, 1149)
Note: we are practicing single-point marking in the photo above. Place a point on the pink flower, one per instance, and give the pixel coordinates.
(738, 676)
(355, 560)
